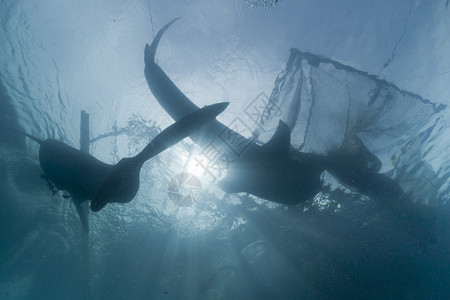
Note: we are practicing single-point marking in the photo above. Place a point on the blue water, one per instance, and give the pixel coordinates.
(60, 58)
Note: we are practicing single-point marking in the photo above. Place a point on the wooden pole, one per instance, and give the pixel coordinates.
(84, 132)
(84, 206)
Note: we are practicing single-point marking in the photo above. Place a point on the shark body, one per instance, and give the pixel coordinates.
(276, 172)
(266, 171)
(87, 178)
(273, 171)
(72, 170)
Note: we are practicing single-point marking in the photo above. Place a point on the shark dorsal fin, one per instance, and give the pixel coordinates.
(281, 139)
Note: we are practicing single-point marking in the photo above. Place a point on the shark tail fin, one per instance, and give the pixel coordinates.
(150, 51)
(39, 141)
(355, 166)
(360, 171)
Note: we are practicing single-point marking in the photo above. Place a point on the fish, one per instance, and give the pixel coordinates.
(122, 183)
(266, 171)
(85, 177)
(277, 172)
(69, 169)
(273, 171)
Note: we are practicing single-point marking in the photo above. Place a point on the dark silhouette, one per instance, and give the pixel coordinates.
(275, 171)
(86, 177)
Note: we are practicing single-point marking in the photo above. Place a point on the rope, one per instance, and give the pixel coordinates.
(151, 19)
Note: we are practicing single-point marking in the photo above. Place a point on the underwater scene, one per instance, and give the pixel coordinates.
(208, 149)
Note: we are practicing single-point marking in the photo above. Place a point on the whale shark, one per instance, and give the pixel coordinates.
(85, 177)
(122, 183)
(266, 171)
(273, 171)
(279, 173)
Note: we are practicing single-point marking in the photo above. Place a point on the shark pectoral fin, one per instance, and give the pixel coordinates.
(83, 212)
(281, 140)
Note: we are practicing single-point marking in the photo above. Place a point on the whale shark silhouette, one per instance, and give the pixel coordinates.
(273, 171)
(85, 177)
(277, 172)
(122, 183)
(266, 171)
